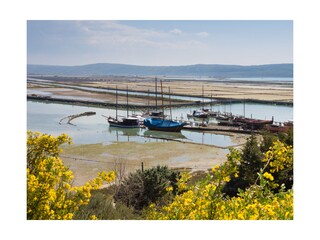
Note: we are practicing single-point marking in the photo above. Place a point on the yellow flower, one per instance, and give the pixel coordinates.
(286, 215)
(268, 176)
(169, 189)
(215, 168)
(240, 216)
(93, 217)
(226, 179)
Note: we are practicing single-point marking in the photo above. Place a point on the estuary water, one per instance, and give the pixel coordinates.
(45, 118)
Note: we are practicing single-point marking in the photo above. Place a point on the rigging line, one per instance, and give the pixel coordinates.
(91, 160)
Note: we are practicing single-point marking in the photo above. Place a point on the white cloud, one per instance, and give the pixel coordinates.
(176, 31)
(202, 34)
(110, 34)
(106, 33)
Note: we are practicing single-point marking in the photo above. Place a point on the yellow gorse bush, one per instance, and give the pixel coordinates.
(206, 201)
(50, 194)
(279, 157)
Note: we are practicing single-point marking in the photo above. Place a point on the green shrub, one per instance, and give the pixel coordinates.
(142, 188)
(103, 206)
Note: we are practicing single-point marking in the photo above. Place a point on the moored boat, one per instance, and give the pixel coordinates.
(125, 122)
(154, 114)
(163, 124)
(254, 124)
(198, 114)
(224, 119)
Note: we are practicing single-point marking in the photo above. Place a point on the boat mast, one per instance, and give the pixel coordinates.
(202, 97)
(211, 101)
(148, 110)
(117, 102)
(127, 103)
(244, 108)
(162, 98)
(170, 104)
(156, 93)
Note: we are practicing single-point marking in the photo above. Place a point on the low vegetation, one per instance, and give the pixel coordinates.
(50, 194)
(207, 200)
(142, 188)
(253, 183)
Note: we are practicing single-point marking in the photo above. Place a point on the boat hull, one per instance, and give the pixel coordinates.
(163, 125)
(123, 123)
(254, 124)
(198, 114)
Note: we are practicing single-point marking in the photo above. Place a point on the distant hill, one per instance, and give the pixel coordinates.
(212, 70)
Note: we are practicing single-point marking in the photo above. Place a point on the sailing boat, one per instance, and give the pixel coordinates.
(162, 124)
(202, 113)
(154, 113)
(123, 122)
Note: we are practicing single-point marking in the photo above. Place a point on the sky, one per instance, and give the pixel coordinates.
(159, 42)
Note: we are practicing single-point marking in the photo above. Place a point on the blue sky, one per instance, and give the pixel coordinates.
(160, 43)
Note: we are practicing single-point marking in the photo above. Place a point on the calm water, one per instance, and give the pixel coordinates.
(45, 117)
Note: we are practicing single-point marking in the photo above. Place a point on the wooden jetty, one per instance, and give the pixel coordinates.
(219, 129)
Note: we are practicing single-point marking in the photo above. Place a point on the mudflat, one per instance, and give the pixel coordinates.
(254, 90)
(87, 160)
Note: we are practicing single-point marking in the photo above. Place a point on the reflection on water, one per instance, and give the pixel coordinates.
(125, 134)
(124, 131)
(210, 138)
(164, 135)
